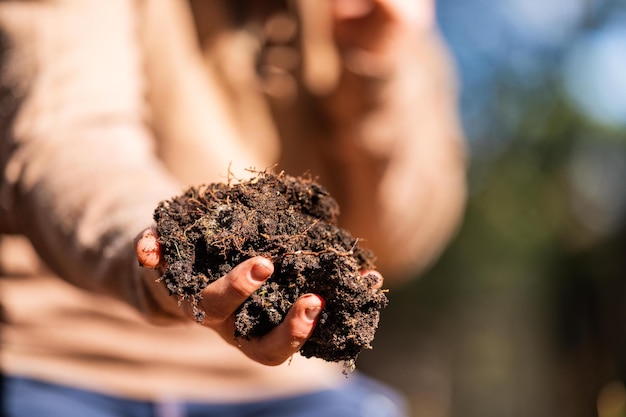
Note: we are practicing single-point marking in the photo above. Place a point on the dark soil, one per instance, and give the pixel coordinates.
(208, 230)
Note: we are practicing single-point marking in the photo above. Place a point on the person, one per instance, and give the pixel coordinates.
(108, 107)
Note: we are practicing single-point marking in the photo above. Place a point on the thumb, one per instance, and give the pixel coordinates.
(148, 249)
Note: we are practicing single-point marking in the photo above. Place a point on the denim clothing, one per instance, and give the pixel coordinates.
(360, 396)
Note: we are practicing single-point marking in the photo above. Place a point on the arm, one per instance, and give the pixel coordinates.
(80, 175)
(394, 154)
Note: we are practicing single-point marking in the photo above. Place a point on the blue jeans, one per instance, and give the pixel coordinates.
(358, 397)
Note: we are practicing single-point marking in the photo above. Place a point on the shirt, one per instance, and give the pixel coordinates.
(109, 107)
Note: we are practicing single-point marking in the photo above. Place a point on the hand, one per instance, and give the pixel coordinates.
(380, 43)
(376, 25)
(221, 299)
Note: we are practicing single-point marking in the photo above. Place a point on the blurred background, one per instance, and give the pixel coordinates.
(525, 313)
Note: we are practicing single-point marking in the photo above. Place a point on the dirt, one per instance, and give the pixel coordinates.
(208, 230)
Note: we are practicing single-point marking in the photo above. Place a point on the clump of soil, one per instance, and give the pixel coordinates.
(208, 230)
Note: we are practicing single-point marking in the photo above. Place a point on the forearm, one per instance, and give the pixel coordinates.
(81, 178)
(396, 153)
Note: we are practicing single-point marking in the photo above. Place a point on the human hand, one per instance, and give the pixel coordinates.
(379, 42)
(221, 299)
(377, 25)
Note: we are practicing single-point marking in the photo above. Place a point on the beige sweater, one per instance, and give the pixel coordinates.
(108, 107)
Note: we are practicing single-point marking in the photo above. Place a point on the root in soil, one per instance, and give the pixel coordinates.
(208, 230)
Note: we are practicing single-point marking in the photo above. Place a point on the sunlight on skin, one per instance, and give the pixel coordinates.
(417, 13)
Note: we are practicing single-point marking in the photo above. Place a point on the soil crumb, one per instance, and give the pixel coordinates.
(208, 230)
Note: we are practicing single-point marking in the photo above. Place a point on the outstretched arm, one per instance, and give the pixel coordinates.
(81, 177)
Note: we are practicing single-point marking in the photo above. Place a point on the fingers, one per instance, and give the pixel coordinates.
(420, 13)
(381, 26)
(221, 298)
(351, 9)
(288, 337)
(417, 13)
(374, 278)
(148, 249)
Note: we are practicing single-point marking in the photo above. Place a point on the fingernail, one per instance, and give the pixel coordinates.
(313, 311)
(373, 278)
(261, 270)
(148, 250)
